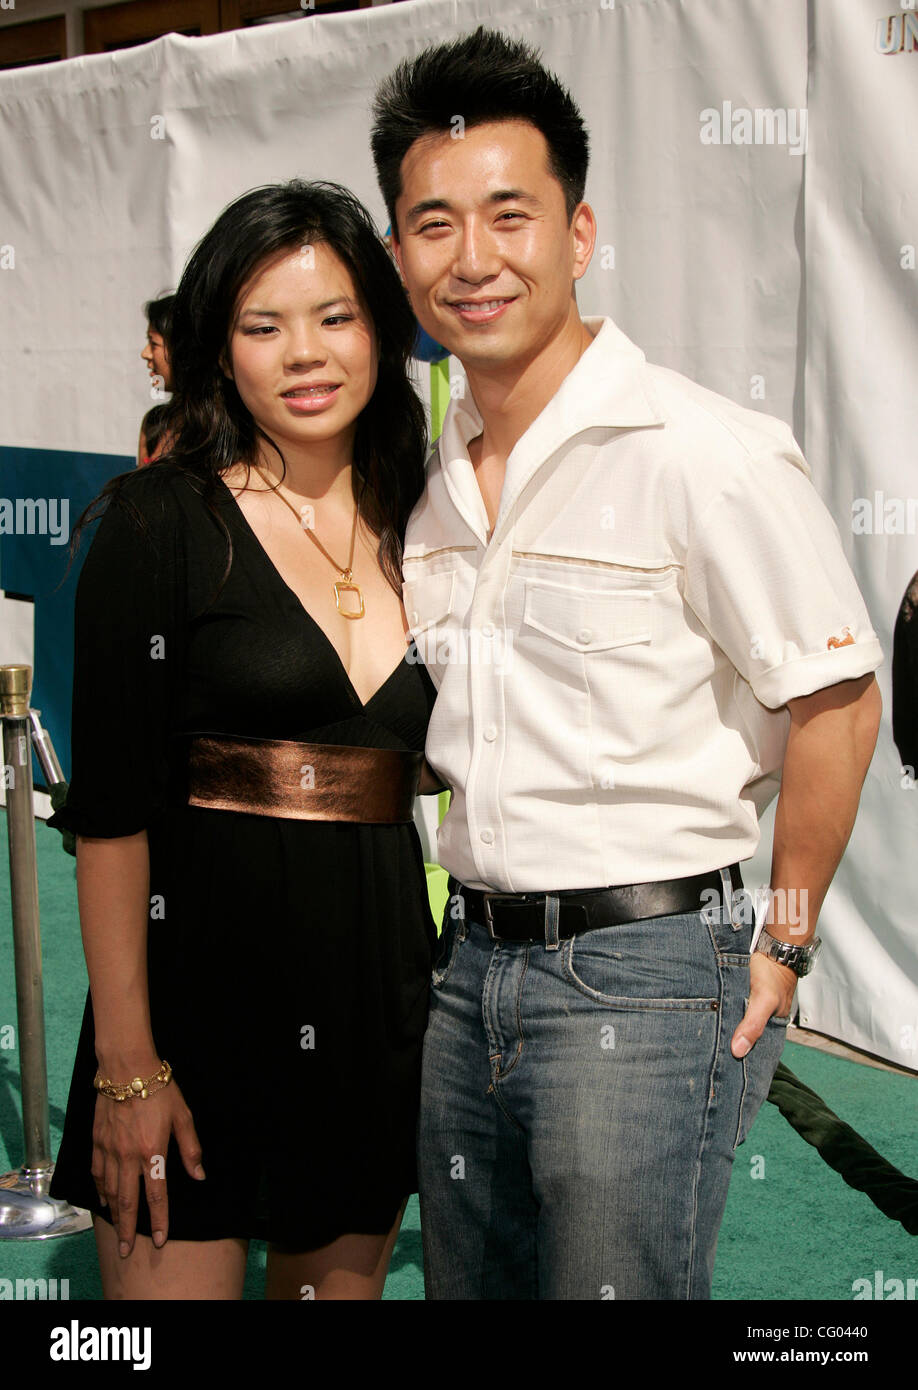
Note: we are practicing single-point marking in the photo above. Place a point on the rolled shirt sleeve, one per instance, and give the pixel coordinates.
(129, 622)
(766, 573)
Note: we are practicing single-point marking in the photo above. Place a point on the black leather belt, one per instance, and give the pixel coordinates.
(522, 916)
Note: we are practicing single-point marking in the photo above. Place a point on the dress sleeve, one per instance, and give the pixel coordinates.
(766, 573)
(129, 631)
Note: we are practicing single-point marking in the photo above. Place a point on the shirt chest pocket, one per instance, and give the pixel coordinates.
(428, 600)
(589, 621)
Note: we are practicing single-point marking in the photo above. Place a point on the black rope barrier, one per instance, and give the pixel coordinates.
(843, 1149)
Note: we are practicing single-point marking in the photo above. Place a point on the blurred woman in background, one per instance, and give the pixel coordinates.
(156, 354)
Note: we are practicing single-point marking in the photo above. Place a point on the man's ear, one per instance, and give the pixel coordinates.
(583, 228)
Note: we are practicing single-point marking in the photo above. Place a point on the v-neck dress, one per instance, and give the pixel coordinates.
(288, 960)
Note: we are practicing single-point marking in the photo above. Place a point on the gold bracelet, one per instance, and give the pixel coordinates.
(135, 1089)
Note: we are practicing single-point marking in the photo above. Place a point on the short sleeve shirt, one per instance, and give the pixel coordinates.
(613, 663)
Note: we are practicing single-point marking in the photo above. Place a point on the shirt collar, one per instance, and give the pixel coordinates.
(608, 387)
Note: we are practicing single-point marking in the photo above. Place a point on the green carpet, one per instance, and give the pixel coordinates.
(792, 1229)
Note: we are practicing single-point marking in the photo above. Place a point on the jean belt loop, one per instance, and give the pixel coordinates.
(552, 914)
(457, 905)
(463, 928)
(728, 917)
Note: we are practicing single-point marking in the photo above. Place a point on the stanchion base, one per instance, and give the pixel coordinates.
(28, 1213)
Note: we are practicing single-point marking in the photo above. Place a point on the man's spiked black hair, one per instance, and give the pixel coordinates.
(483, 76)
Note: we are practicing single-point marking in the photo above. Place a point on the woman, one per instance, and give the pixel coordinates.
(242, 661)
(153, 440)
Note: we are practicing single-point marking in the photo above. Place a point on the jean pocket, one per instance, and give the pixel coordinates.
(653, 963)
(731, 927)
(759, 1067)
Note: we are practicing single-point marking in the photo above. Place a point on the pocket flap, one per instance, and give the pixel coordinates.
(589, 621)
(427, 601)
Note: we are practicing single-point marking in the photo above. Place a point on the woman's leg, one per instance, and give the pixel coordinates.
(351, 1267)
(182, 1269)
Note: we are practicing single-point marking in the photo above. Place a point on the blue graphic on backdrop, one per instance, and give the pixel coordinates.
(50, 483)
(426, 350)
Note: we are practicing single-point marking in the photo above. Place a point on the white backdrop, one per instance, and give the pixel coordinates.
(769, 275)
(861, 432)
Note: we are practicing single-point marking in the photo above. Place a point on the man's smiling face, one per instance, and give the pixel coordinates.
(484, 243)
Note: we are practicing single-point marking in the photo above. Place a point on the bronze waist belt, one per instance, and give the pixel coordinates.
(302, 781)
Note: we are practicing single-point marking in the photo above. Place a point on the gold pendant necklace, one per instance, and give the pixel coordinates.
(346, 581)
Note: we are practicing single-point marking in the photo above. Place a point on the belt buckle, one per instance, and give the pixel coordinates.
(489, 921)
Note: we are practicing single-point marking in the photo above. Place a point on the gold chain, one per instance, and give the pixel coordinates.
(346, 581)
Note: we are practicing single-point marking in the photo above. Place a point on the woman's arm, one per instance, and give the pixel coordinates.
(129, 625)
(430, 781)
(113, 888)
(130, 1138)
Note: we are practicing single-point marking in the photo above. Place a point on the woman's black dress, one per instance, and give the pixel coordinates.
(289, 960)
(905, 678)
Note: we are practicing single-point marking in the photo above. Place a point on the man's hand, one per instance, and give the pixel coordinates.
(771, 991)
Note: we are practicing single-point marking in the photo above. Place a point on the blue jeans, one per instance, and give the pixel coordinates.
(580, 1107)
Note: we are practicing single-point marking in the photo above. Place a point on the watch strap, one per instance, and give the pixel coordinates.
(800, 959)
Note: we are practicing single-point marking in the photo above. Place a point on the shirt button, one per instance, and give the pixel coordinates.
(488, 630)
(585, 635)
(488, 836)
(490, 733)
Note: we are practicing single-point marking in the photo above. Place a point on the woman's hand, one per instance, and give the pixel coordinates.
(130, 1138)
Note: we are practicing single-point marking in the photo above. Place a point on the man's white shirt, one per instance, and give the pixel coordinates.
(613, 665)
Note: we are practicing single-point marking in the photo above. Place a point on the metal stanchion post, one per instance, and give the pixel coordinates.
(26, 1210)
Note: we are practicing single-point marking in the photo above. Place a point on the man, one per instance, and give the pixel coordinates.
(635, 608)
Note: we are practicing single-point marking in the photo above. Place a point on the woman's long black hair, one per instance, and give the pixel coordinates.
(211, 429)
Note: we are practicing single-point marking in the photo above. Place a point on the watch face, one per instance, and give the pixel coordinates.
(812, 952)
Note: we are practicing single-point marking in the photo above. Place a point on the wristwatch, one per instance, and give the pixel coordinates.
(800, 959)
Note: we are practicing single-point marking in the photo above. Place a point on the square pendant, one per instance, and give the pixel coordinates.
(340, 587)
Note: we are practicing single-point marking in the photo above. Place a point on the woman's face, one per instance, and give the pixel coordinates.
(302, 347)
(157, 359)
